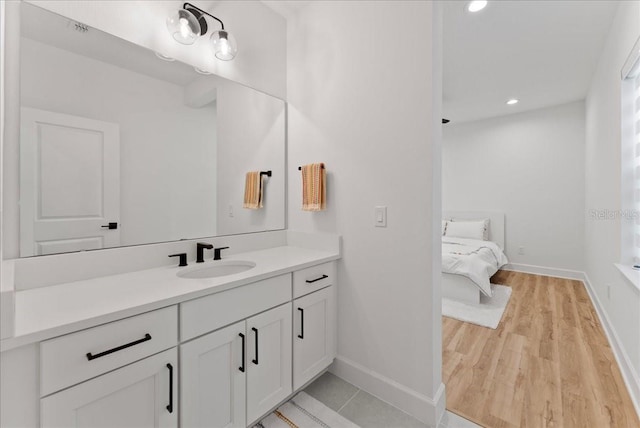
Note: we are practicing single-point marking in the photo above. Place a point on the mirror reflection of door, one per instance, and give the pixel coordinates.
(69, 183)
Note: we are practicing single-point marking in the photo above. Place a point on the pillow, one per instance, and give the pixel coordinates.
(487, 224)
(444, 226)
(466, 229)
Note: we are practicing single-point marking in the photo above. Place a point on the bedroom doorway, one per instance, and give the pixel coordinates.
(523, 344)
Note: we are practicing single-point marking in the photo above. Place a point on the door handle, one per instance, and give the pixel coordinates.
(301, 335)
(255, 360)
(91, 356)
(241, 368)
(170, 406)
(110, 226)
(320, 278)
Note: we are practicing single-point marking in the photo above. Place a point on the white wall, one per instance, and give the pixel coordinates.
(251, 131)
(619, 299)
(367, 103)
(259, 31)
(168, 150)
(529, 166)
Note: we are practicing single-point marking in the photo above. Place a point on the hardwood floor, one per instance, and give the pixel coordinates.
(548, 364)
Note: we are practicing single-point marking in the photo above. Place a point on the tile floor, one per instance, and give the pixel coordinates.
(366, 410)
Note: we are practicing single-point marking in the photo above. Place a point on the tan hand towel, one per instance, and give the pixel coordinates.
(314, 187)
(253, 191)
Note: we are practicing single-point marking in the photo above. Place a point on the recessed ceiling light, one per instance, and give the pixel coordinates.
(476, 5)
(164, 57)
(512, 101)
(201, 71)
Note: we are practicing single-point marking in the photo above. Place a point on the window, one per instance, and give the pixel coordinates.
(631, 155)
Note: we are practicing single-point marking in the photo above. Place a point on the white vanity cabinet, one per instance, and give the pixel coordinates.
(213, 379)
(268, 361)
(120, 374)
(225, 359)
(141, 395)
(238, 373)
(234, 375)
(314, 325)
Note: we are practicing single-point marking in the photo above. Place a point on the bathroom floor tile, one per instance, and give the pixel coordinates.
(370, 412)
(451, 420)
(331, 391)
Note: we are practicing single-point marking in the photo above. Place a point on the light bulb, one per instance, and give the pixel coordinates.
(224, 45)
(512, 101)
(183, 26)
(476, 5)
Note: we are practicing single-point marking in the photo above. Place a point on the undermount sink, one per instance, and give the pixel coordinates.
(216, 269)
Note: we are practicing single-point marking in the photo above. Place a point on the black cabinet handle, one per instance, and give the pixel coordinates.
(301, 335)
(310, 281)
(90, 356)
(170, 406)
(255, 360)
(241, 368)
(110, 226)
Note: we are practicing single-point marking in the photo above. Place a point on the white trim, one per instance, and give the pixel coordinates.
(543, 270)
(631, 274)
(427, 410)
(629, 375)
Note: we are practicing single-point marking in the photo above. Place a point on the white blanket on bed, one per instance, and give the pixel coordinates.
(477, 260)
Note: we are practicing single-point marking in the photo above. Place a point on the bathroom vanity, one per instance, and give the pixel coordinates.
(219, 351)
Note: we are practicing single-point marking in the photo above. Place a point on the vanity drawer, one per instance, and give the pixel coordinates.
(70, 359)
(308, 280)
(209, 313)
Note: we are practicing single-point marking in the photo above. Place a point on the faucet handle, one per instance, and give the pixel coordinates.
(216, 253)
(183, 258)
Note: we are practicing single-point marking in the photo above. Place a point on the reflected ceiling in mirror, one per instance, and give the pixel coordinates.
(119, 146)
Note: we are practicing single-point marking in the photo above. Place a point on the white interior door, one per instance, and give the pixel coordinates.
(69, 183)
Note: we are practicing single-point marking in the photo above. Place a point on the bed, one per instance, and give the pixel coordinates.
(468, 264)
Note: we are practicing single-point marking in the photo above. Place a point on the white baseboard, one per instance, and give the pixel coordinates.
(629, 375)
(543, 270)
(427, 410)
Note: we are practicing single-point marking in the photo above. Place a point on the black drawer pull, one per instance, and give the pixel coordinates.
(310, 281)
(170, 406)
(255, 360)
(119, 348)
(301, 335)
(241, 368)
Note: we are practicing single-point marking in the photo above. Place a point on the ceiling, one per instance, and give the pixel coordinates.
(540, 52)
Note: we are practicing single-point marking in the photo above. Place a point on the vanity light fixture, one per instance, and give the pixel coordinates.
(189, 23)
(512, 101)
(476, 5)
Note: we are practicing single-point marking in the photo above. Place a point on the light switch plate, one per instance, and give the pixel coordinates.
(380, 216)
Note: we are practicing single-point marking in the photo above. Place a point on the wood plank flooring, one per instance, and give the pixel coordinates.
(548, 364)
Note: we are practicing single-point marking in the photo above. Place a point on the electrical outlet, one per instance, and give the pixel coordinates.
(521, 251)
(230, 210)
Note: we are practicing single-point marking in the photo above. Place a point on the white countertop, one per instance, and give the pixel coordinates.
(46, 312)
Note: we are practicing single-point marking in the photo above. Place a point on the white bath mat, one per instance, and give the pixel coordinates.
(486, 314)
(304, 411)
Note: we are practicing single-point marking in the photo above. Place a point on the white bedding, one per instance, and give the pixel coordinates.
(475, 259)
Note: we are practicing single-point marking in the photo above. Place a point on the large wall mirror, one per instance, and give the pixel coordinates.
(119, 146)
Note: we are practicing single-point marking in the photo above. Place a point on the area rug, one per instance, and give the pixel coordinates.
(304, 411)
(486, 314)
